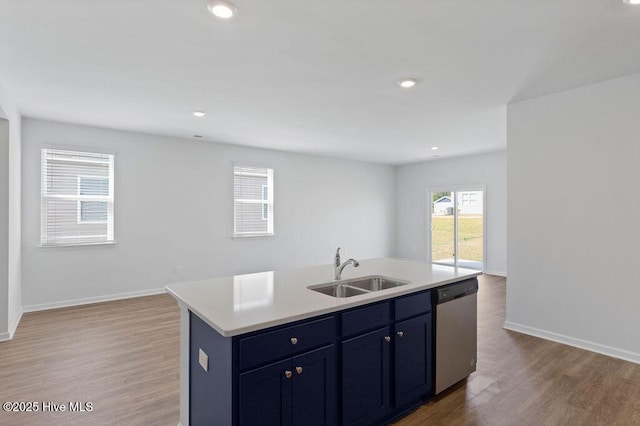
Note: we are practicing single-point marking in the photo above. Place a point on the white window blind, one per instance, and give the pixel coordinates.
(77, 197)
(253, 201)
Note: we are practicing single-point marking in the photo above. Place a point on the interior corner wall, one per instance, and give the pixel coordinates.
(4, 229)
(174, 207)
(10, 215)
(15, 223)
(412, 208)
(573, 210)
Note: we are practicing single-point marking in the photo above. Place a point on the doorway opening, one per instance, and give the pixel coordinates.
(457, 227)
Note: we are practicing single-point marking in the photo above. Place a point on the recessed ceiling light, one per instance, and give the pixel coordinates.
(221, 9)
(435, 148)
(199, 114)
(631, 1)
(407, 82)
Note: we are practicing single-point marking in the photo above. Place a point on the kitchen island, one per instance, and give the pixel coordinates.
(264, 349)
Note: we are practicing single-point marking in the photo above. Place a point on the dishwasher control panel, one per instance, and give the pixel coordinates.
(456, 290)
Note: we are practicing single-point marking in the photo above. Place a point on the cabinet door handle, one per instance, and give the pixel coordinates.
(387, 339)
(288, 374)
(294, 340)
(299, 370)
(400, 333)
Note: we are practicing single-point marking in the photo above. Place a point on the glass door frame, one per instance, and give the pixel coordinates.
(429, 228)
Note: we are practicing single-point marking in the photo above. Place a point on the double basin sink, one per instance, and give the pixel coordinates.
(356, 286)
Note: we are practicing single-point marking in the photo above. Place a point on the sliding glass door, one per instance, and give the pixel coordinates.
(456, 227)
(443, 233)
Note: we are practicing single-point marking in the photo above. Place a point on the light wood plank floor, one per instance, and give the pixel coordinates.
(123, 357)
(524, 380)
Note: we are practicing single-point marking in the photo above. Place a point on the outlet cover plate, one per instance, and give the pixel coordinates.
(203, 359)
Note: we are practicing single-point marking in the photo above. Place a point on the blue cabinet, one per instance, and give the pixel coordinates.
(280, 376)
(314, 388)
(265, 395)
(297, 391)
(388, 370)
(366, 395)
(363, 366)
(413, 359)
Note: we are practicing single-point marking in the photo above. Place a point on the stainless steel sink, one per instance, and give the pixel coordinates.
(375, 284)
(357, 286)
(340, 290)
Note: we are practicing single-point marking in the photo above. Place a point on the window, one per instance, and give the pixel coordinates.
(93, 211)
(77, 197)
(253, 201)
(265, 204)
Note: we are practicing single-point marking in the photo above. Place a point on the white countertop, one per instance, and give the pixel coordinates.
(244, 303)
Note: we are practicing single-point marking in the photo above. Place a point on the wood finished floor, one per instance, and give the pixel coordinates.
(123, 357)
(524, 380)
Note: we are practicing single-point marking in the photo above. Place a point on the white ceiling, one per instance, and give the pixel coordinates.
(311, 76)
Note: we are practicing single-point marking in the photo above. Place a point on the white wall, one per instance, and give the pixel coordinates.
(4, 229)
(571, 267)
(10, 215)
(173, 207)
(412, 206)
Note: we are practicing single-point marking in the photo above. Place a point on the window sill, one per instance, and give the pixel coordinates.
(243, 236)
(79, 245)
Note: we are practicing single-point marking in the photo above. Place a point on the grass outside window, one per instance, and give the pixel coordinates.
(469, 237)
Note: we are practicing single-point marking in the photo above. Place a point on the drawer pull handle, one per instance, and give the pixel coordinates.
(294, 340)
(400, 333)
(387, 339)
(299, 370)
(288, 374)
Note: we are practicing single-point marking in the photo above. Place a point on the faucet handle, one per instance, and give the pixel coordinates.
(337, 257)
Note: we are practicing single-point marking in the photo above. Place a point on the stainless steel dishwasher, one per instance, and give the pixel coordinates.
(456, 333)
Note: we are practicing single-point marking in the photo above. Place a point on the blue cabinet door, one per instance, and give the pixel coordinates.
(265, 395)
(365, 378)
(314, 390)
(297, 391)
(412, 359)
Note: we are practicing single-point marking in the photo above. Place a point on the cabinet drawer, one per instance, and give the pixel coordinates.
(272, 345)
(413, 305)
(364, 319)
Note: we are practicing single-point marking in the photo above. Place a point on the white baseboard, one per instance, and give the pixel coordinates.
(88, 300)
(497, 273)
(572, 341)
(8, 335)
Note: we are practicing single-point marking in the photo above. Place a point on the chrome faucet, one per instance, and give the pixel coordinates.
(339, 267)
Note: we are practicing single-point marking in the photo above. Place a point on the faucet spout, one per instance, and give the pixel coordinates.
(338, 269)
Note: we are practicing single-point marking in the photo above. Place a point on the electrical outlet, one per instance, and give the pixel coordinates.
(203, 359)
(177, 269)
